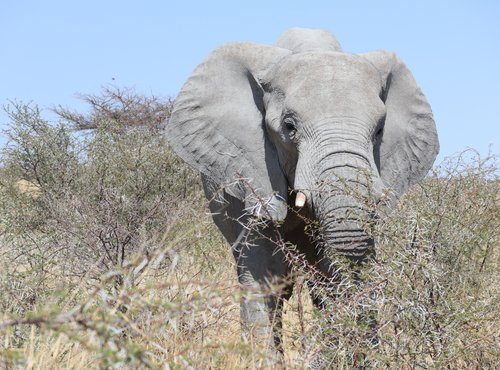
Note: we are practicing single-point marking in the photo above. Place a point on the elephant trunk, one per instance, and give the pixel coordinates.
(344, 225)
(341, 201)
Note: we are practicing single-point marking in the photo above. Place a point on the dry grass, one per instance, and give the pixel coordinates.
(435, 294)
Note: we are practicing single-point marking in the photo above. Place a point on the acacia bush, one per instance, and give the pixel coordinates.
(82, 203)
(110, 259)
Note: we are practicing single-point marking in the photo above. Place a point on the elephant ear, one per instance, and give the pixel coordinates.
(217, 126)
(409, 144)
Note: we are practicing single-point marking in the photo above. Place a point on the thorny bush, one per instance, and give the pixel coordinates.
(109, 259)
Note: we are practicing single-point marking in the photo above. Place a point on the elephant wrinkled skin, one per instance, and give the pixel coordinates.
(268, 124)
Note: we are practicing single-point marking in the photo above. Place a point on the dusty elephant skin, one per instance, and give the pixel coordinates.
(297, 129)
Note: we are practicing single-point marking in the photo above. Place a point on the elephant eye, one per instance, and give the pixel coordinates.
(379, 130)
(289, 124)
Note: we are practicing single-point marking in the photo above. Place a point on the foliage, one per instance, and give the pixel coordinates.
(84, 203)
(109, 260)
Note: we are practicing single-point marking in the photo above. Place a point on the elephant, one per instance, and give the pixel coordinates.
(275, 130)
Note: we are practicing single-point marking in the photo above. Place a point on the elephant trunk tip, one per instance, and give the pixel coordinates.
(300, 200)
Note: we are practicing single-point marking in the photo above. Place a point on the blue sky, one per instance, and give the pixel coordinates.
(51, 50)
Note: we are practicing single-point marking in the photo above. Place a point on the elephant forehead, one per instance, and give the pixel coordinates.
(316, 84)
(332, 70)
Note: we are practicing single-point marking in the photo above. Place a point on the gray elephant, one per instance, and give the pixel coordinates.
(274, 130)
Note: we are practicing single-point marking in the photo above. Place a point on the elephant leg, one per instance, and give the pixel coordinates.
(262, 273)
(261, 268)
(367, 316)
(366, 336)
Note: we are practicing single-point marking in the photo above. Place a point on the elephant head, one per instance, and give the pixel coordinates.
(305, 116)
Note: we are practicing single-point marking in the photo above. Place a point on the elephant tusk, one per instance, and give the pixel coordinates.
(300, 200)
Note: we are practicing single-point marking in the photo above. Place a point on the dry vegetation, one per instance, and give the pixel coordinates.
(110, 260)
